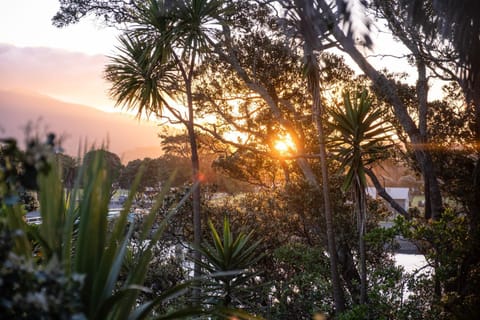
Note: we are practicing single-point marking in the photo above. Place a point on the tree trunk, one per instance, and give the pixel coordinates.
(314, 86)
(196, 195)
(348, 268)
(338, 297)
(422, 97)
(360, 209)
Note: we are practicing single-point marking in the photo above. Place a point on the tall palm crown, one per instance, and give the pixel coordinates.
(160, 50)
(139, 80)
(157, 61)
(360, 135)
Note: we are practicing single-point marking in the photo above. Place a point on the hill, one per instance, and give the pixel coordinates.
(77, 125)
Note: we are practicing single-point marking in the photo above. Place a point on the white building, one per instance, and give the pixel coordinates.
(400, 195)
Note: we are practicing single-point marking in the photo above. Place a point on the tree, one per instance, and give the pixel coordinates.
(447, 55)
(114, 167)
(359, 142)
(114, 164)
(157, 63)
(69, 167)
(459, 23)
(312, 71)
(320, 17)
(127, 175)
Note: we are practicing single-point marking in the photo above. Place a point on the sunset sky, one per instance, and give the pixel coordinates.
(62, 63)
(67, 64)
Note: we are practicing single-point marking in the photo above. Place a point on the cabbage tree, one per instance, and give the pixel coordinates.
(360, 138)
(154, 69)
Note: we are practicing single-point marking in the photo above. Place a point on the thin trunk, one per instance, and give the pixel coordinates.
(314, 84)
(338, 297)
(196, 199)
(422, 94)
(348, 268)
(286, 171)
(422, 97)
(187, 71)
(361, 212)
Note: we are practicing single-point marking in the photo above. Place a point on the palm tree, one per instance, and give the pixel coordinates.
(360, 138)
(156, 65)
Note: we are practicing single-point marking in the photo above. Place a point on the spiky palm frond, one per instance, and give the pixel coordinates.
(227, 262)
(200, 21)
(141, 75)
(360, 135)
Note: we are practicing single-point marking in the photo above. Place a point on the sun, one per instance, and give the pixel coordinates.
(284, 145)
(281, 146)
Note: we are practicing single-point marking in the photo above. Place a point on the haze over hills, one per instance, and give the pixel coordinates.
(77, 124)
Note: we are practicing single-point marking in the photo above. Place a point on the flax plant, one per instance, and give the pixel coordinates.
(74, 236)
(228, 262)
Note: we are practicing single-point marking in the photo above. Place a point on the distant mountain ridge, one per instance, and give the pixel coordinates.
(77, 125)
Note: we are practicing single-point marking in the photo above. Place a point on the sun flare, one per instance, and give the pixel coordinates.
(284, 144)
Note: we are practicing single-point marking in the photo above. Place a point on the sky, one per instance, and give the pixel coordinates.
(64, 63)
(68, 63)
(28, 23)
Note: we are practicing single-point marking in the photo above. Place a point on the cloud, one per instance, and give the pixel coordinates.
(69, 76)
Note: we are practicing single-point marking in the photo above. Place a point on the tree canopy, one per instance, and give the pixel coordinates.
(260, 71)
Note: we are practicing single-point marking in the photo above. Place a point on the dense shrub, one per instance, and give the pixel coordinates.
(31, 291)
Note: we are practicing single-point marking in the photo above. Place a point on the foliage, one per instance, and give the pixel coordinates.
(19, 169)
(45, 292)
(69, 167)
(302, 284)
(228, 263)
(113, 163)
(360, 135)
(75, 239)
(451, 248)
(294, 244)
(449, 21)
(452, 128)
(111, 11)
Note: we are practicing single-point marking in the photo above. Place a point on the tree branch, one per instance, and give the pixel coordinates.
(383, 193)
